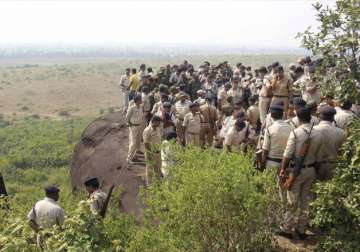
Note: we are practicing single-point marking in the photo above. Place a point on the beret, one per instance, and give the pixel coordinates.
(92, 182)
(51, 189)
(276, 108)
(299, 102)
(327, 111)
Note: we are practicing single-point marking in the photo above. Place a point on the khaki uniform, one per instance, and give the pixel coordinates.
(145, 98)
(136, 117)
(264, 98)
(152, 136)
(97, 200)
(294, 122)
(236, 94)
(210, 116)
(282, 92)
(275, 140)
(124, 85)
(343, 118)
(333, 139)
(235, 138)
(181, 109)
(192, 125)
(253, 115)
(46, 213)
(299, 197)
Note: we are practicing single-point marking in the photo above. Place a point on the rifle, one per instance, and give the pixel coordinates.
(298, 162)
(106, 203)
(2, 186)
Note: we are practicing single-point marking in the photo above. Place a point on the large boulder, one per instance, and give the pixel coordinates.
(101, 152)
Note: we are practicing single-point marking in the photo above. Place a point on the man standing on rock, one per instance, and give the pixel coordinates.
(135, 118)
(124, 86)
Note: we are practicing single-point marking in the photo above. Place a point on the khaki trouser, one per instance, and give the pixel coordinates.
(180, 131)
(153, 166)
(264, 103)
(206, 134)
(299, 198)
(285, 100)
(282, 191)
(135, 136)
(192, 139)
(326, 171)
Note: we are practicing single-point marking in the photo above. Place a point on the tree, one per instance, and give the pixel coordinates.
(337, 41)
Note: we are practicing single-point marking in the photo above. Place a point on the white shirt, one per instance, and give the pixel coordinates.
(46, 213)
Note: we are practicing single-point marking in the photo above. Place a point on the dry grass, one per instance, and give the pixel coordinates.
(83, 88)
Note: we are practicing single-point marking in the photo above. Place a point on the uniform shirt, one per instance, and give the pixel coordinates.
(234, 138)
(333, 139)
(97, 200)
(192, 122)
(124, 82)
(253, 114)
(134, 82)
(146, 102)
(135, 115)
(343, 118)
(141, 74)
(266, 85)
(47, 213)
(152, 137)
(294, 122)
(222, 96)
(182, 108)
(236, 94)
(296, 139)
(275, 138)
(283, 87)
(209, 113)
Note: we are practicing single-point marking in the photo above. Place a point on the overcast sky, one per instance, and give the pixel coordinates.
(244, 23)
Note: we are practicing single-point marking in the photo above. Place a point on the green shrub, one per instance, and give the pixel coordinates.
(211, 202)
(336, 209)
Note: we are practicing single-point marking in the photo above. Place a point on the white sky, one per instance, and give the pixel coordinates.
(246, 23)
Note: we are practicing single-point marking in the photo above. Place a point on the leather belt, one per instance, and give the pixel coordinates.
(277, 160)
(281, 96)
(191, 133)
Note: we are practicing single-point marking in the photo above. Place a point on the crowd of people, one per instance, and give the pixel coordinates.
(278, 112)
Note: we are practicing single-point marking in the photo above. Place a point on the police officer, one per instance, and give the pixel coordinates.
(210, 116)
(238, 135)
(192, 125)
(152, 142)
(333, 139)
(181, 109)
(135, 118)
(274, 144)
(299, 103)
(124, 86)
(97, 197)
(47, 212)
(299, 195)
(281, 87)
